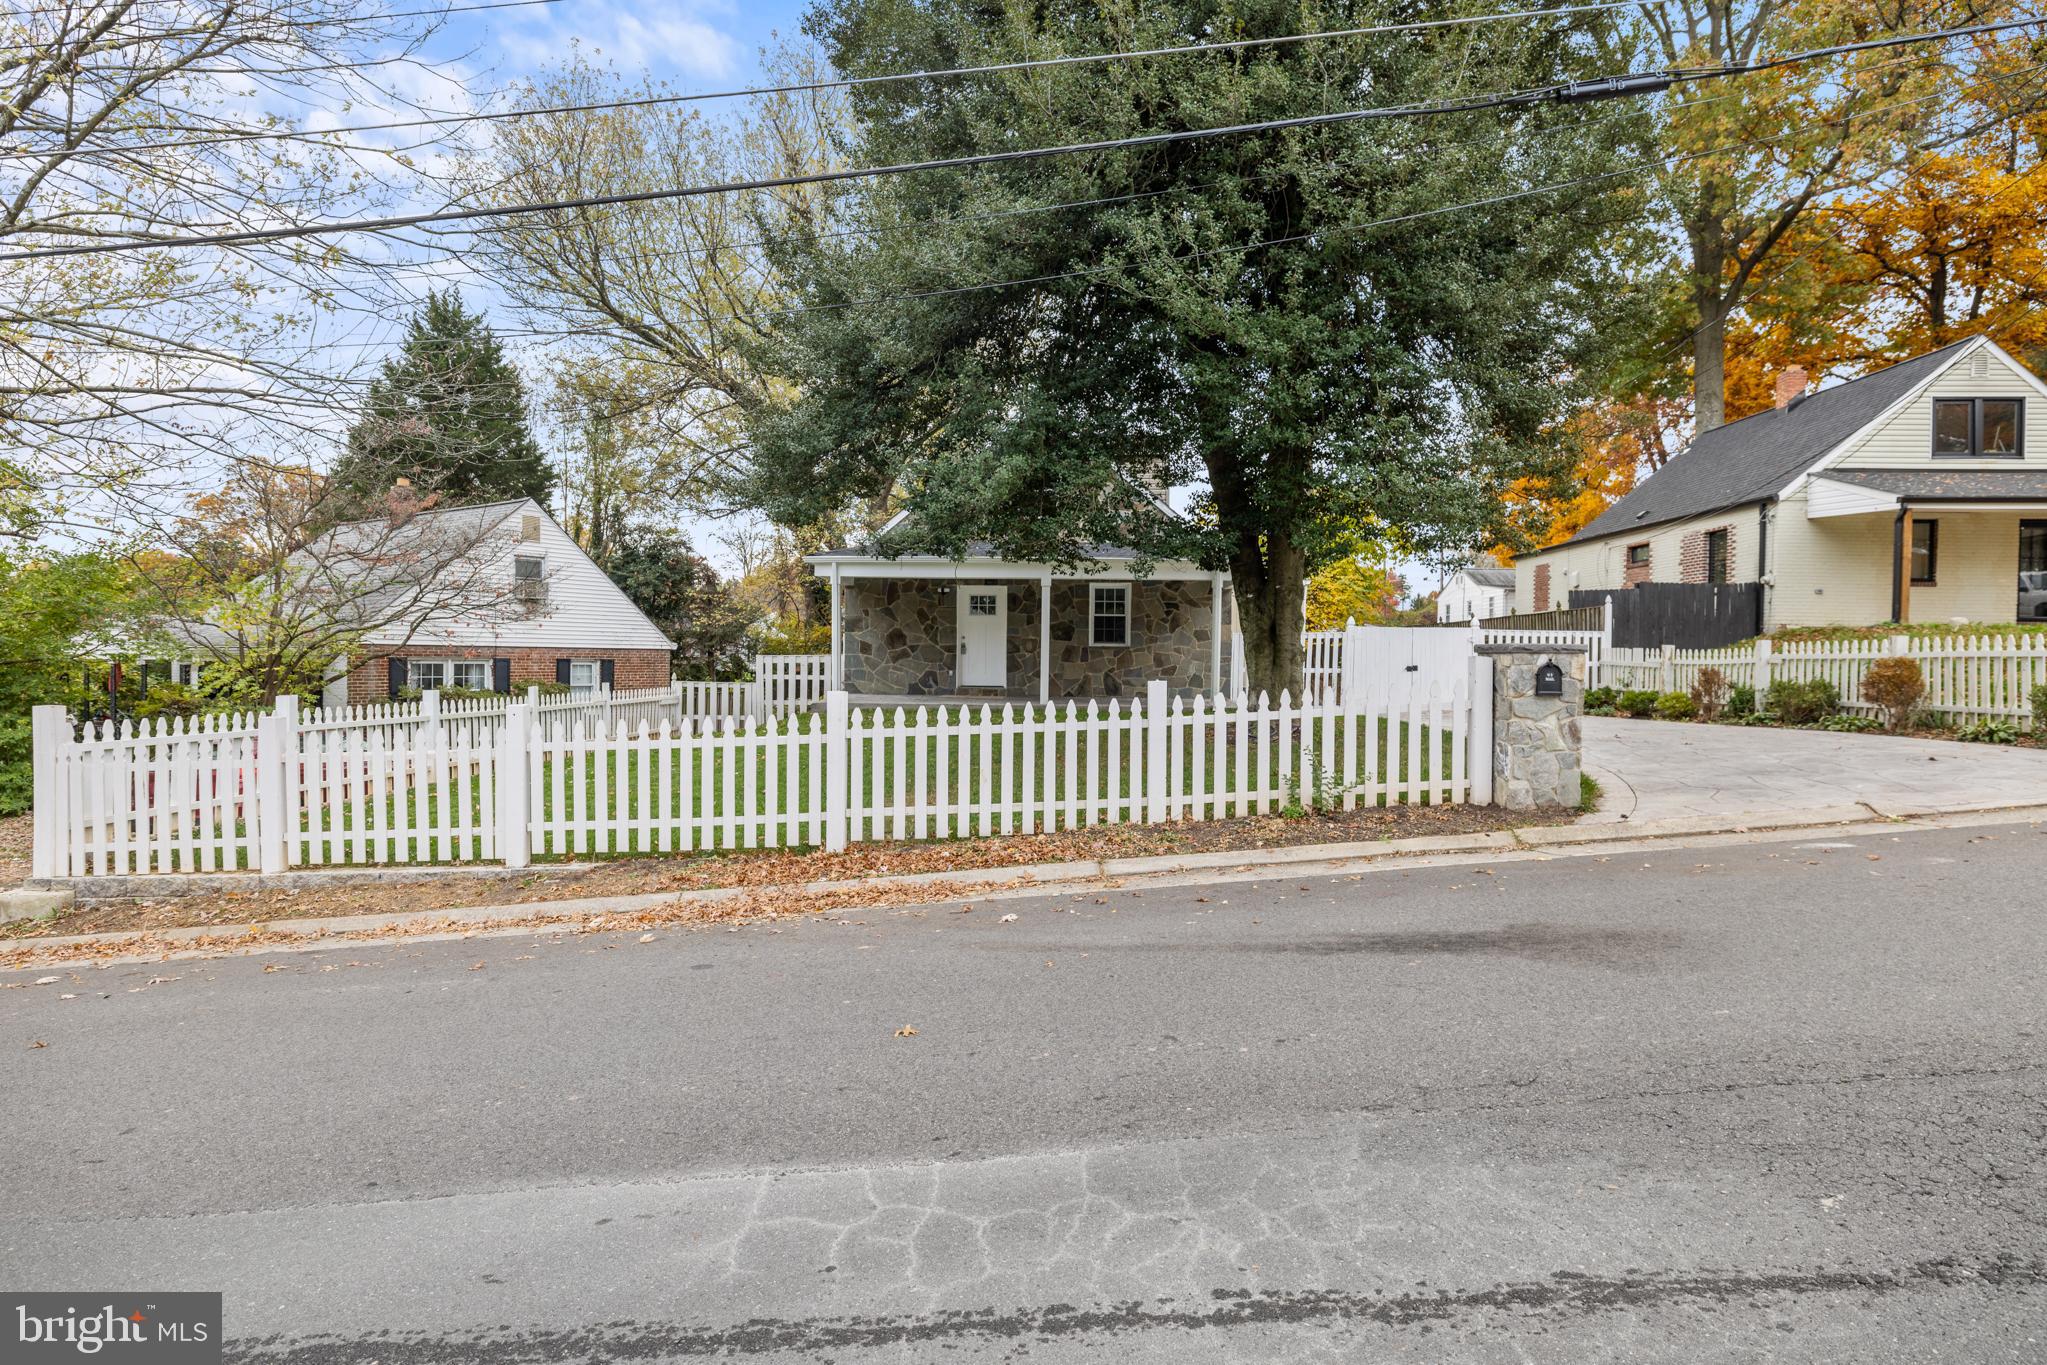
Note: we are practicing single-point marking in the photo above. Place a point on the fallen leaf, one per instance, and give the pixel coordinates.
(1006, 919)
(476, 967)
(52, 980)
(73, 995)
(906, 1032)
(36, 1044)
(646, 938)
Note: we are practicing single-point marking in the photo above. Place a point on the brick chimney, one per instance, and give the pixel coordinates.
(402, 502)
(1790, 384)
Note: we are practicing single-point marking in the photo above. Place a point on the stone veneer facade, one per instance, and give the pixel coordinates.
(900, 636)
(1536, 755)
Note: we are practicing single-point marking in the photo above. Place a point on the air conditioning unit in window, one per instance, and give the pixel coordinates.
(531, 591)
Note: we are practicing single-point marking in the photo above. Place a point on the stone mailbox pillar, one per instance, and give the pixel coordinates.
(1535, 728)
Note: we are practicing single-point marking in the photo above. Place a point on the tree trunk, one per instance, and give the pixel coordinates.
(1269, 582)
(1709, 363)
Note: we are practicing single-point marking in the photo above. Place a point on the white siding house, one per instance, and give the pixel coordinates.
(1917, 493)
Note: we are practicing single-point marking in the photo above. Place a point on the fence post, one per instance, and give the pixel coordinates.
(513, 787)
(1897, 645)
(49, 729)
(1478, 735)
(1155, 722)
(1764, 654)
(837, 721)
(1666, 668)
(273, 733)
(430, 715)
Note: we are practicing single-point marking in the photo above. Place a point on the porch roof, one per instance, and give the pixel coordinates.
(1851, 492)
(1111, 562)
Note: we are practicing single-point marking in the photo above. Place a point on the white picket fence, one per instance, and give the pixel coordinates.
(1967, 677)
(270, 792)
(790, 682)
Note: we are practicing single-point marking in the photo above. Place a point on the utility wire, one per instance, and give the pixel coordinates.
(1619, 85)
(803, 87)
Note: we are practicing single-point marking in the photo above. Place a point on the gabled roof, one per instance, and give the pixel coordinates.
(1487, 578)
(1753, 459)
(1948, 485)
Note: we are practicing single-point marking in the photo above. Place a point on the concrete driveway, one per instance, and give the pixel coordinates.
(1660, 770)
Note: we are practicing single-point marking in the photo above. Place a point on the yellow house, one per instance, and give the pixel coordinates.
(1917, 493)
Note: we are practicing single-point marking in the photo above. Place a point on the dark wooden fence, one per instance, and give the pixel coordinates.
(1687, 615)
(1573, 617)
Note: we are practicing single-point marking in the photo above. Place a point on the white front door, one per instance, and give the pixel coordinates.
(984, 635)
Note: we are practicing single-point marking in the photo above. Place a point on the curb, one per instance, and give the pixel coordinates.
(1040, 878)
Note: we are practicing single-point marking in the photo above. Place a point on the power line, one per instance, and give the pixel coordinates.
(846, 83)
(86, 10)
(1584, 182)
(1619, 85)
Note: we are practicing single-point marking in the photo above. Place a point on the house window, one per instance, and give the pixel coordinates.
(470, 673)
(1638, 556)
(1110, 622)
(583, 675)
(528, 568)
(427, 674)
(1925, 551)
(1716, 556)
(1980, 428)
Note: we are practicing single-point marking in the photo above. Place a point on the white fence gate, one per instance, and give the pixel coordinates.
(272, 792)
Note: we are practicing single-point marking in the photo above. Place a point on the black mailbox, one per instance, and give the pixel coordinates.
(1549, 681)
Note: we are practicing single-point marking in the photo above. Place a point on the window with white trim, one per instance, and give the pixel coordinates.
(528, 568)
(583, 675)
(427, 674)
(1109, 619)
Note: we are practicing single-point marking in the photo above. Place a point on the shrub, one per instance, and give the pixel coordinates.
(1709, 693)
(1741, 700)
(1757, 718)
(1857, 725)
(1676, 706)
(1600, 711)
(1802, 703)
(1606, 696)
(2038, 697)
(1994, 730)
(1897, 686)
(1636, 702)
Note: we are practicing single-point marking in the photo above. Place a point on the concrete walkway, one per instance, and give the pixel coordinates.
(1659, 770)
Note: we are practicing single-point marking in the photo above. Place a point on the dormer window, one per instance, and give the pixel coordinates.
(1979, 428)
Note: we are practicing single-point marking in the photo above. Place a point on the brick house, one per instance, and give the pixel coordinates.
(507, 599)
(1916, 493)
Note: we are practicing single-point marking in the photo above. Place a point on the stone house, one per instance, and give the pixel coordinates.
(924, 626)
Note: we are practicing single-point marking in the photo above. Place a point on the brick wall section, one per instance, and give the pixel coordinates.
(1633, 573)
(370, 680)
(1692, 560)
(1541, 602)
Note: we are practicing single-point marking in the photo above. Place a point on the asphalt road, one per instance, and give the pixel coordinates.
(1777, 1102)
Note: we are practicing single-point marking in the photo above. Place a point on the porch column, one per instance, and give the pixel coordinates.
(1215, 634)
(837, 670)
(1901, 566)
(1044, 638)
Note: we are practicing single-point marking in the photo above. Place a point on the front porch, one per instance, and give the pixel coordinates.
(1962, 546)
(918, 630)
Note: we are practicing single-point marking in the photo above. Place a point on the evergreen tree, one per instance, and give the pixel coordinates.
(449, 413)
(1355, 328)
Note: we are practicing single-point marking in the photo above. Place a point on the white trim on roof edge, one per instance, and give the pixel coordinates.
(1973, 345)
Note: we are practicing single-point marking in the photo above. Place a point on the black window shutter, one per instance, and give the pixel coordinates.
(501, 675)
(397, 677)
(561, 670)
(606, 672)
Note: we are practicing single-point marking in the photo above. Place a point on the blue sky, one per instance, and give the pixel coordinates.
(694, 44)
